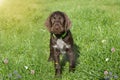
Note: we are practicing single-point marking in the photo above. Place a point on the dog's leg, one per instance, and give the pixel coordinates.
(51, 56)
(57, 63)
(71, 56)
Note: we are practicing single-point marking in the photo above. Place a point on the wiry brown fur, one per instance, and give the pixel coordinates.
(66, 24)
(58, 23)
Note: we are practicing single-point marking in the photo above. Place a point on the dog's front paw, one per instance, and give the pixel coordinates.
(58, 76)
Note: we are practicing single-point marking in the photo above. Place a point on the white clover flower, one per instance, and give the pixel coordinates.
(107, 59)
(105, 72)
(26, 67)
(32, 72)
(113, 50)
(6, 61)
(103, 41)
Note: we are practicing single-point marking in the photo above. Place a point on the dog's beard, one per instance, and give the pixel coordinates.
(57, 29)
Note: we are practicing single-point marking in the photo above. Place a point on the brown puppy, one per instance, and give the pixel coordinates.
(61, 40)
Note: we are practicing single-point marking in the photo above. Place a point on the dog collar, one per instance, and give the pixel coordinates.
(61, 36)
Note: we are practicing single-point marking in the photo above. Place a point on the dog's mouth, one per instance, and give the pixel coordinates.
(57, 29)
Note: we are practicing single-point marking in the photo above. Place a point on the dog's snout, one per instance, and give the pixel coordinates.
(57, 21)
(57, 27)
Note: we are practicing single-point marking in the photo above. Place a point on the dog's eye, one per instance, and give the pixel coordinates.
(59, 17)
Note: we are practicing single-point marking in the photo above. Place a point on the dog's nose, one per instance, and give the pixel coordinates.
(57, 28)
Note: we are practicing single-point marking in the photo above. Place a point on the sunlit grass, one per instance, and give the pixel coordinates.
(1, 2)
(24, 40)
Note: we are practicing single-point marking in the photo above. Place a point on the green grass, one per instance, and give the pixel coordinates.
(24, 40)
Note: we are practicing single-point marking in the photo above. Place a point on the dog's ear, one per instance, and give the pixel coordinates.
(48, 23)
(67, 22)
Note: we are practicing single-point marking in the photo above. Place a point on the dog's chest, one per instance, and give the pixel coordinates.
(61, 45)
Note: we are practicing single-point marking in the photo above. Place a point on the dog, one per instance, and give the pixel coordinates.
(61, 41)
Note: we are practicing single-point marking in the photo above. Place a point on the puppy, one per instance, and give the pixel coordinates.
(61, 41)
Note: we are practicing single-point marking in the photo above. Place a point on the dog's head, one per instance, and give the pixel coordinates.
(58, 22)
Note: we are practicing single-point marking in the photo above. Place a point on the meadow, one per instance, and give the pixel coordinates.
(24, 40)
